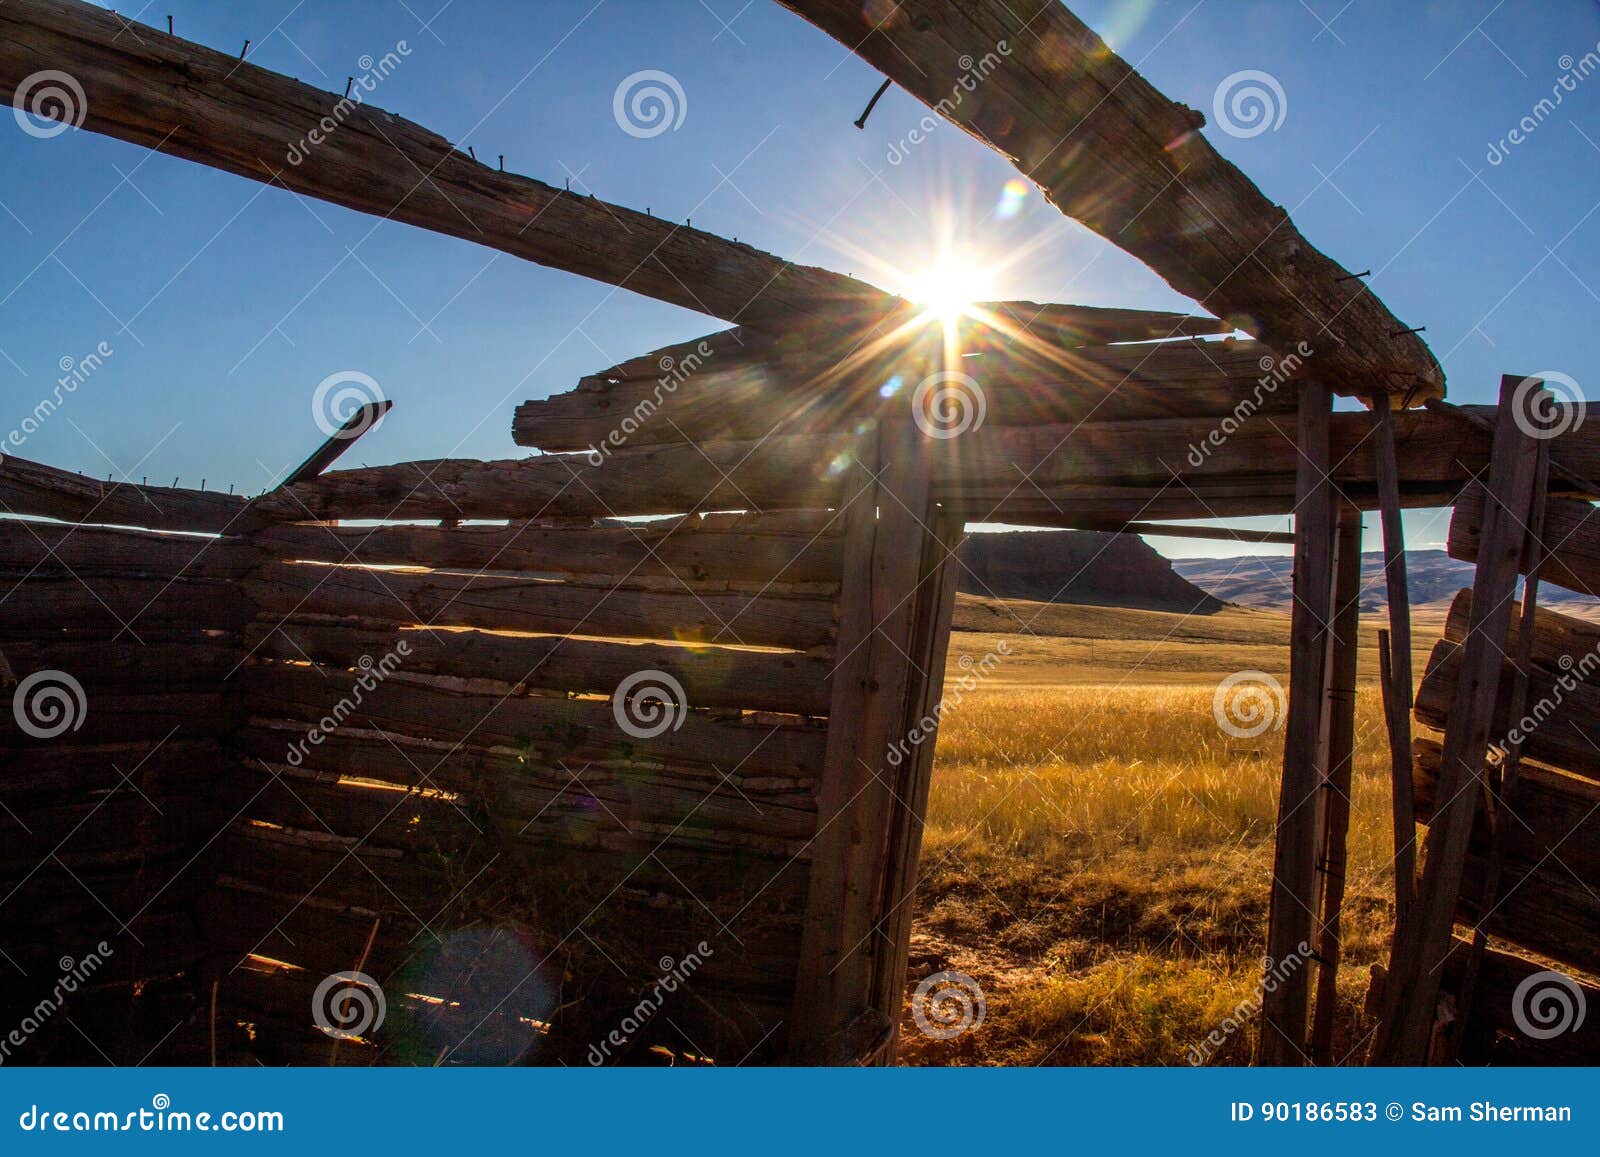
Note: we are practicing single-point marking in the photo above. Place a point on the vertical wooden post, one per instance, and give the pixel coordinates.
(1341, 754)
(1411, 990)
(1292, 922)
(1395, 662)
(834, 1020)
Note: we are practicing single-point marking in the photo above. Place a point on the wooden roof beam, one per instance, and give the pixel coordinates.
(144, 86)
(1112, 152)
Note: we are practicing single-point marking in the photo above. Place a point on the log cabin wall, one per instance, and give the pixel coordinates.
(115, 647)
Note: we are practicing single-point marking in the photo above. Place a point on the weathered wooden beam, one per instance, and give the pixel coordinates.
(33, 488)
(1571, 537)
(1032, 81)
(1412, 988)
(1292, 923)
(358, 423)
(1395, 661)
(1333, 862)
(144, 86)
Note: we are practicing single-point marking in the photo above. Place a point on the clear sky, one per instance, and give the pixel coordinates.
(225, 302)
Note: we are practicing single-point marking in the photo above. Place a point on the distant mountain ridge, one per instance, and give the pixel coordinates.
(1078, 566)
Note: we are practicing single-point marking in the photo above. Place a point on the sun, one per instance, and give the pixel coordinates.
(949, 289)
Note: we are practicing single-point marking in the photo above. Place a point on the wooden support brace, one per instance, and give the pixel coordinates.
(357, 424)
(1293, 920)
(1421, 946)
(1341, 754)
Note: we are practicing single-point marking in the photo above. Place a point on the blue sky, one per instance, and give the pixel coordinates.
(225, 303)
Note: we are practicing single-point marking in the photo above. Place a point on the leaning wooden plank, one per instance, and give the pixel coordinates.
(1413, 985)
(546, 727)
(683, 549)
(750, 394)
(144, 86)
(518, 604)
(1395, 659)
(835, 1019)
(1571, 537)
(779, 473)
(720, 677)
(1292, 924)
(1560, 724)
(1111, 151)
(33, 488)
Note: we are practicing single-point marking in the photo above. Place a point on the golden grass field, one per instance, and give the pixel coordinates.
(1098, 850)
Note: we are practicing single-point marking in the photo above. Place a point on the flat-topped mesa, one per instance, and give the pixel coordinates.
(1032, 81)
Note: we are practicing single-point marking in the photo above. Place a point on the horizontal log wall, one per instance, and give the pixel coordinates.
(116, 646)
(433, 782)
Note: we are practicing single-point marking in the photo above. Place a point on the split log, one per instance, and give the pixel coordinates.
(516, 604)
(750, 395)
(1560, 641)
(1494, 1011)
(685, 548)
(32, 488)
(118, 605)
(543, 727)
(1110, 151)
(715, 677)
(27, 548)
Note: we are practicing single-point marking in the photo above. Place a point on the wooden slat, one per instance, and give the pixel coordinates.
(1111, 151)
(1571, 539)
(517, 604)
(1559, 641)
(1395, 660)
(1421, 945)
(1494, 1012)
(166, 93)
(545, 727)
(717, 677)
(1292, 924)
(684, 548)
(33, 488)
